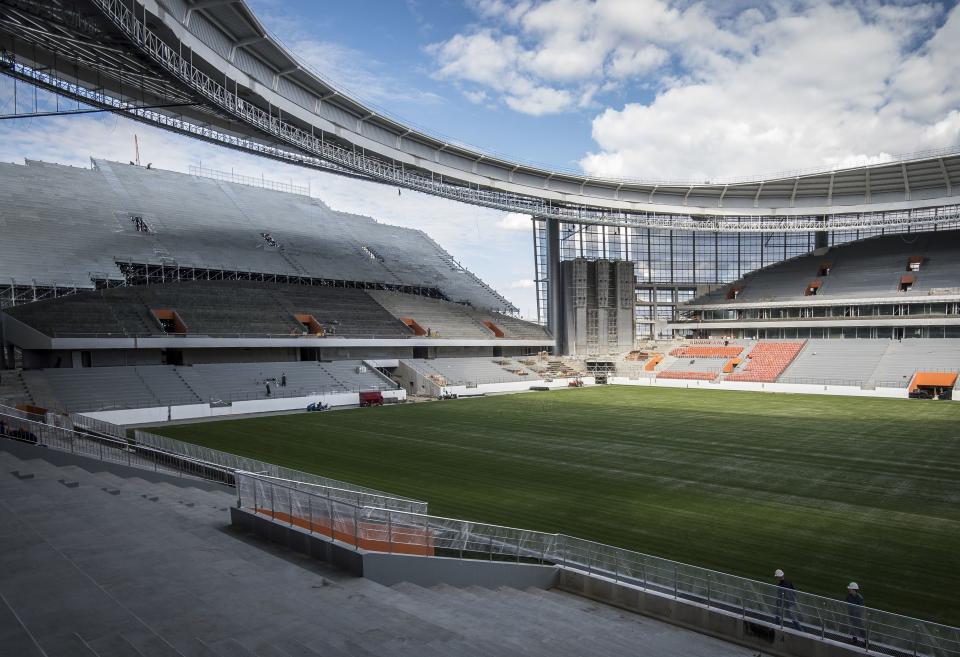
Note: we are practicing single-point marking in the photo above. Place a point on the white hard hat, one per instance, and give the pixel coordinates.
(853, 586)
(778, 573)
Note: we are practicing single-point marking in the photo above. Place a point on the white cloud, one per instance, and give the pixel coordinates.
(627, 62)
(515, 221)
(829, 86)
(476, 97)
(733, 89)
(522, 284)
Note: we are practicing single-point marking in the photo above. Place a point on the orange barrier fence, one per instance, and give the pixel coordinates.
(653, 362)
(374, 537)
(731, 364)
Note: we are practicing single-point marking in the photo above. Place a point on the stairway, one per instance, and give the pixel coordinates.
(105, 561)
(13, 391)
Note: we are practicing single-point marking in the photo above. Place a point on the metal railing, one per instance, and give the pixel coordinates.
(160, 454)
(234, 463)
(108, 449)
(389, 530)
(249, 181)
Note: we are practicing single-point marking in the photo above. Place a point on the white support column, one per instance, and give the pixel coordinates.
(946, 176)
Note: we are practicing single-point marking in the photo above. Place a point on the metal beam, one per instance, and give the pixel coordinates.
(946, 176)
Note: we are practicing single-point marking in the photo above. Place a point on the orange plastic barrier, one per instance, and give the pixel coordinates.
(497, 331)
(933, 380)
(652, 363)
(414, 326)
(730, 364)
(372, 536)
(695, 376)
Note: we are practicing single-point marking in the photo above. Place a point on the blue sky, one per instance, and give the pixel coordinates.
(649, 89)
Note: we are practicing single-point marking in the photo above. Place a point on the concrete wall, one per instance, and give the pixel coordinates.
(240, 355)
(159, 414)
(850, 391)
(389, 569)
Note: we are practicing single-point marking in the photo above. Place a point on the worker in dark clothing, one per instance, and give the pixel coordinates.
(283, 380)
(786, 601)
(268, 388)
(855, 604)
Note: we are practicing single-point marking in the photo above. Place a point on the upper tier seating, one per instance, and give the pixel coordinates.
(450, 320)
(72, 224)
(870, 268)
(767, 360)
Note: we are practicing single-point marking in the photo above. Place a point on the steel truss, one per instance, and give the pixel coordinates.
(17, 294)
(146, 274)
(298, 146)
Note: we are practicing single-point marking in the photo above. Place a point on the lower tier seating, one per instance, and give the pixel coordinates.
(767, 361)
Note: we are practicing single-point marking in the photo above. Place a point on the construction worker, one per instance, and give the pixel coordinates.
(786, 601)
(855, 605)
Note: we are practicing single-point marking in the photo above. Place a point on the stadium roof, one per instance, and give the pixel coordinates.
(244, 89)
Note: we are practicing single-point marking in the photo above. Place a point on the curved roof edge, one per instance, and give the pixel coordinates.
(232, 84)
(923, 175)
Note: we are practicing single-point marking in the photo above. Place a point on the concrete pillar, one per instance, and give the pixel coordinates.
(821, 239)
(555, 314)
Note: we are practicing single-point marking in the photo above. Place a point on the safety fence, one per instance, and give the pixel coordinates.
(109, 449)
(105, 442)
(341, 490)
(403, 532)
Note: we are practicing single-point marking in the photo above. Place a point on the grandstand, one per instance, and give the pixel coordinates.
(132, 295)
(81, 231)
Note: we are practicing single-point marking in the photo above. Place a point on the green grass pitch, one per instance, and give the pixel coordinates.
(831, 489)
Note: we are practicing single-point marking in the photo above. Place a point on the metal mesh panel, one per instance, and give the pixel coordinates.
(387, 530)
(342, 490)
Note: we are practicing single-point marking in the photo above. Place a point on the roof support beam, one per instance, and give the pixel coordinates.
(243, 43)
(722, 194)
(756, 198)
(866, 186)
(401, 136)
(906, 182)
(203, 4)
(830, 189)
(793, 195)
(946, 176)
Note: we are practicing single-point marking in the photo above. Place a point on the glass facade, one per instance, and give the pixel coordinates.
(671, 264)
